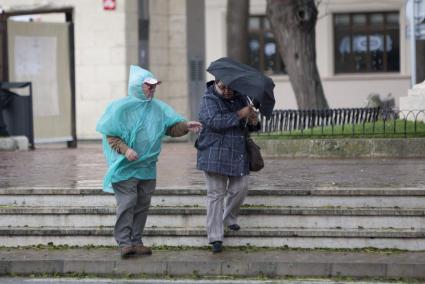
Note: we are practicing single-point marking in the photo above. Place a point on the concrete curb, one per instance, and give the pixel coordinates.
(197, 263)
(343, 148)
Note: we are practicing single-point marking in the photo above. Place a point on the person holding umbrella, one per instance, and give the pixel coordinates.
(226, 116)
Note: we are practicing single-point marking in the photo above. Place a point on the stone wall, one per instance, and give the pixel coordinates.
(168, 51)
(343, 148)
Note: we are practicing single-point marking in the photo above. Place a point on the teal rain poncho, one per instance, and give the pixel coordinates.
(141, 124)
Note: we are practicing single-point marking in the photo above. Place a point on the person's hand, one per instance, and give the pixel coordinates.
(244, 112)
(131, 155)
(252, 117)
(194, 126)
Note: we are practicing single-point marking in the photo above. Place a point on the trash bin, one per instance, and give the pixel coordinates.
(5, 98)
(16, 111)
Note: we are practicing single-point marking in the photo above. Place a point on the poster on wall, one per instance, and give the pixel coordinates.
(35, 61)
(39, 53)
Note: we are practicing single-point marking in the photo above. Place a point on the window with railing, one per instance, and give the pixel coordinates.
(263, 51)
(367, 42)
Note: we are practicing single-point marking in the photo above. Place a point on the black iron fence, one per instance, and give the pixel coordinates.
(347, 121)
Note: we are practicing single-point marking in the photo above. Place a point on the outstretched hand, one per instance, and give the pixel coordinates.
(194, 126)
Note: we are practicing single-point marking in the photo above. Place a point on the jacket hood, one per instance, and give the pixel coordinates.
(135, 81)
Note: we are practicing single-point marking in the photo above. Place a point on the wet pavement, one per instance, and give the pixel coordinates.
(55, 165)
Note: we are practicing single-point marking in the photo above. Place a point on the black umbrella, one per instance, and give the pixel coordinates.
(245, 80)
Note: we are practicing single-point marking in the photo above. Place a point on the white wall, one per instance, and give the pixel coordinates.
(348, 90)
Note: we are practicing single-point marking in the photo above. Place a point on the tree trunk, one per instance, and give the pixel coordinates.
(293, 23)
(237, 30)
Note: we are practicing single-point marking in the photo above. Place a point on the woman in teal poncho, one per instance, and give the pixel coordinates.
(132, 130)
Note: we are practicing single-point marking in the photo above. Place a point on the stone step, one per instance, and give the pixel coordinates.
(316, 197)
(198, 263)
(259, 237)
(189, 217)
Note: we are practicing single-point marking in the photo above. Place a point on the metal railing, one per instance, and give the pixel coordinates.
(346, 121)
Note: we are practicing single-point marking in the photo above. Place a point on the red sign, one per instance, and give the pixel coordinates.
(109, 5)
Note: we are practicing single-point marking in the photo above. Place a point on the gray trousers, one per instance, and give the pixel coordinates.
(218, 213)
(133, 200)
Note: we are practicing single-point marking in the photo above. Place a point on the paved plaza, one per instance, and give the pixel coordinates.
(55, 165)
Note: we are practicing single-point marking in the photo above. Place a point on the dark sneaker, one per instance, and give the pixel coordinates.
(127, 251)
(142, 250)
(217, 246)
(234, 227)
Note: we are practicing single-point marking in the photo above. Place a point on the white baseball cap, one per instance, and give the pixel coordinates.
(151, 81)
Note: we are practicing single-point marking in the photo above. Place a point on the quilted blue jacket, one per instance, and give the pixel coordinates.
(221, 144)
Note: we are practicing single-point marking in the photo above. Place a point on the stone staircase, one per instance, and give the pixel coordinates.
(304, 218)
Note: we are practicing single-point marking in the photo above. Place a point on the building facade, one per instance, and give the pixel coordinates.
(107, 41)
(362, 48)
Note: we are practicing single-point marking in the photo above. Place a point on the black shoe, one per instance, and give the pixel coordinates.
(217, 247)
(234, 227)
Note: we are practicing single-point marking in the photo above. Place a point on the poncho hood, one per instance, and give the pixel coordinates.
(136, 77)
